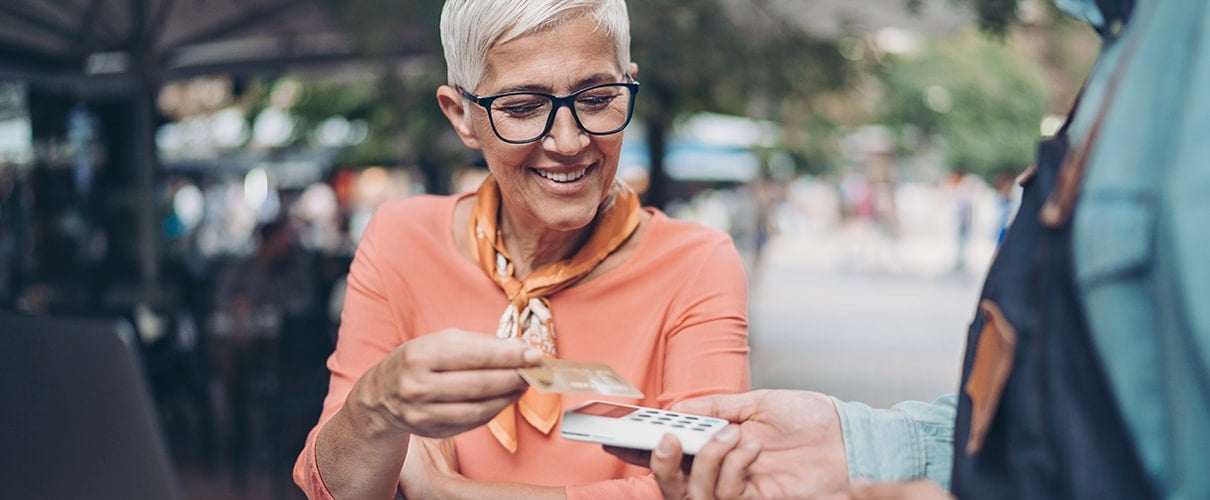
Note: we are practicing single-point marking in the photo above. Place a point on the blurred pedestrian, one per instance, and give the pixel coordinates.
(961, 188)
(1005, 186)
(8, 235)
(263, 301)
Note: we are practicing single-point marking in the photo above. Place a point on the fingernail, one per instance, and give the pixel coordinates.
(664, 449)
(728, 435)
(532, 355)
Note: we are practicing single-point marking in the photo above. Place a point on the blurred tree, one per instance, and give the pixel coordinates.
(981, 99)
(1064, 46)
(404, 124)
(710, 55)
(727, 57)
(995, 16)
(392, 92)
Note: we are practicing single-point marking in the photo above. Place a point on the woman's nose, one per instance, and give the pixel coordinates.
(565, 136)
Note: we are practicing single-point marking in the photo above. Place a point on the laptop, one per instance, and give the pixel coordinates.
(77, 419)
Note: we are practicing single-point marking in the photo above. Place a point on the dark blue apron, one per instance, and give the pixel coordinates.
(1036, 418)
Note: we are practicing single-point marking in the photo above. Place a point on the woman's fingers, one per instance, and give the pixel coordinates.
(459, 386)
(448, 382)
(452, 366)
(452, 350)
(440, 420)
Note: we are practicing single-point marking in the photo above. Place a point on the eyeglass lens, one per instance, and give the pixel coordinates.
(603, 109)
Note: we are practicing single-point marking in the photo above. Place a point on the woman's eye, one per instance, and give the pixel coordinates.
(521, 109)
(596, 100)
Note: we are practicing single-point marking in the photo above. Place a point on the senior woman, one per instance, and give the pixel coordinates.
(544, 88)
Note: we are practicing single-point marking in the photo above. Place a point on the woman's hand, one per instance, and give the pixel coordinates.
(437, 385)
(430, 466)
(442, 384)
(431, 471)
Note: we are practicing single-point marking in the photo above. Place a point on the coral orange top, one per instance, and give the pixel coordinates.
(671, 319)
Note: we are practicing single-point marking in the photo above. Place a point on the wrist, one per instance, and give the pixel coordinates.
(451, 484)
(370, 415)
(442, 484)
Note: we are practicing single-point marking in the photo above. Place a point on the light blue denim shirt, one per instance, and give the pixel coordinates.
(1145, 282)
(1141, 246)
(911, 440)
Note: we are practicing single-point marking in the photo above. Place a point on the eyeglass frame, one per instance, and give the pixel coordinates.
(556, 102)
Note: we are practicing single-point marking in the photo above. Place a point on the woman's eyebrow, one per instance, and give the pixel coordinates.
(582, 83)
(595, 79)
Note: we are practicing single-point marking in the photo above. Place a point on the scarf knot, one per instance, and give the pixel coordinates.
(528, 316)
(531, 324)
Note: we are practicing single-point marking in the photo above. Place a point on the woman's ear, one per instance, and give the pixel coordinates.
(450, 101)
(634, 70)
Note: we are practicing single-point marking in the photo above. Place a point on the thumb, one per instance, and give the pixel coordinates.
(730, 407)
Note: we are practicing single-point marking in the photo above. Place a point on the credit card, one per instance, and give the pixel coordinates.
(560, 375)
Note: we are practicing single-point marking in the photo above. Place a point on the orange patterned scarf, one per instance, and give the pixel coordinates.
(528, 315)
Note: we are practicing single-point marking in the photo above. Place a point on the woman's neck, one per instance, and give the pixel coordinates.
(532, 248)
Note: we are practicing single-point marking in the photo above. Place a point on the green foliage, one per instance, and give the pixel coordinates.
(982, 100)
(995, 16)
(693, 56)
(403, 60)
(734, 58)
(810, 141)
(683, 64)
(698, 57)
(727, 57)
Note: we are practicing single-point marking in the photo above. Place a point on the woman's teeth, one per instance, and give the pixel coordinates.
(563, 177)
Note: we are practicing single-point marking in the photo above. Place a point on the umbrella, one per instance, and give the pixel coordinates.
(128, 48)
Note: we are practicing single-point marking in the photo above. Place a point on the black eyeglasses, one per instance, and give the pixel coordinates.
(524, 117)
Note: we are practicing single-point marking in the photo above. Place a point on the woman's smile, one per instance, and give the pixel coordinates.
(562, 177)
(563, 174)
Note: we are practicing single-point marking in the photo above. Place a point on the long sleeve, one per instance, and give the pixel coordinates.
(638, 487)
(368, 332)
(911, 440)
(707, 338)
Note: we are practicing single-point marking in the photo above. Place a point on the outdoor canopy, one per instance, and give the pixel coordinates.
(129, 48)
(96, 47)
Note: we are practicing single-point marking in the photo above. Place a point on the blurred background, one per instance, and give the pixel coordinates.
(205, 169)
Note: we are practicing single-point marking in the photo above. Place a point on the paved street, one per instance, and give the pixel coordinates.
(821, 321)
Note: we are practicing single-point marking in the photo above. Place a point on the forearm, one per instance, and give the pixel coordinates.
(359, 459)
(461, 488)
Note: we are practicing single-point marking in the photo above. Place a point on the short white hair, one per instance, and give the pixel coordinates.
(470, 27)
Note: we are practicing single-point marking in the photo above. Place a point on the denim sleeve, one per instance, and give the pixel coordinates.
(911, 440)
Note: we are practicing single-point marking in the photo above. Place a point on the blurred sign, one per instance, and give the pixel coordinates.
(708, 147)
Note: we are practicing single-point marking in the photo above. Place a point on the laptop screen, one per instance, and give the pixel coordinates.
(78, 421)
